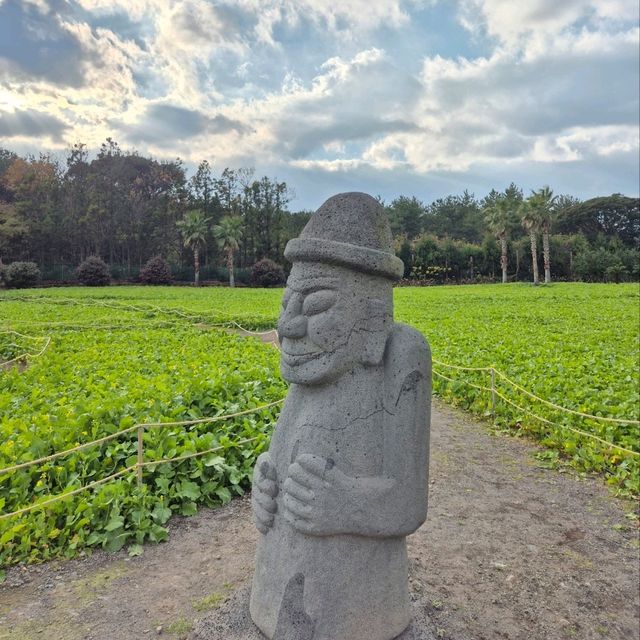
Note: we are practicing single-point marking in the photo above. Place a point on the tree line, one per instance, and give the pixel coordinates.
(508, 236)
(127, 208)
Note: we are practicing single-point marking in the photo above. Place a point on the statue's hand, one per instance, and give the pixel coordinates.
(264, 492)
(316, 496)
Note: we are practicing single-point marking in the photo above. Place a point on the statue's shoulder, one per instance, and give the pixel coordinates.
(406, 351)
(407, 364)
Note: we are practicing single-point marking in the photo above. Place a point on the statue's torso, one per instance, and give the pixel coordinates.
(344, 573)
(348, 431)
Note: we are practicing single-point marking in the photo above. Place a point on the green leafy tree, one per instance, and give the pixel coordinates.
(262, 211)
(6, 158)
(459, 217)
(543, 202)
(616, 272)
(497, 217)
(499, 212)
(405, 253)
(33, 190)
(13, 230)
(202, 186)
(194, 228)
(565, 248)
(405, 215)
(530, 217)
(614, 215)
(228, 234)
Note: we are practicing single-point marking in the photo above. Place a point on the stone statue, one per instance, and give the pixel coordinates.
(345, 479)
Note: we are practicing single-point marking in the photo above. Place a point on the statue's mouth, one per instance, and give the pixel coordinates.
(296, 354)
(293, 359)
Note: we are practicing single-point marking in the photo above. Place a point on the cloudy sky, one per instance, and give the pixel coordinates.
(415, 97)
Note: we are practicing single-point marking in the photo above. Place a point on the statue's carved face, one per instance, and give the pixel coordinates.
(324, 315)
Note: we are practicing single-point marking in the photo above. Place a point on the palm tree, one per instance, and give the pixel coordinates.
(530, 216)
(497, 215)
(194, 227)
(544, 201)
(228, 234)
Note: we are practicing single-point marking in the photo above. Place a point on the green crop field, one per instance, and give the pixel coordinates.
(108, 358)
(574, 345)
(104, 370)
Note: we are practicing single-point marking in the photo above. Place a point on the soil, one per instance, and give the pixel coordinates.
(21, 364)
(510, 551)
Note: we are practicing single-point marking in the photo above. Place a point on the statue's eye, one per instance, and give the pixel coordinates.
(318, 301)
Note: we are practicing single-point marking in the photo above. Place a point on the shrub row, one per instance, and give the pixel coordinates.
(94, 272)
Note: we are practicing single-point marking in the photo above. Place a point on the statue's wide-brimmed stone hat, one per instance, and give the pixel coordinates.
(351, 230)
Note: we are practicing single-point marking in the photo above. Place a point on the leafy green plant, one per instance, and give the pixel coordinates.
(209, 602)
(92, 384)
(155, 271)
(267, 273)
(558, 342)
(93, 272)
(21, 275)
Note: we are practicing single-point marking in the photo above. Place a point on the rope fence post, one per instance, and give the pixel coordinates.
(493, 392)
(140, 454)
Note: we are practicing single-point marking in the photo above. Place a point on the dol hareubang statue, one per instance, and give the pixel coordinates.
(345, 479)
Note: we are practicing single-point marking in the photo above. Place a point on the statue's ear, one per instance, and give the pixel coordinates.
(376, 332)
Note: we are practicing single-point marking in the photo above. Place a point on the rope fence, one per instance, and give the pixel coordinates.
(62, 496)
(26, 354)
(140, 428)
(565, 426)
(495, 393)
(175, 311)
(140, 462)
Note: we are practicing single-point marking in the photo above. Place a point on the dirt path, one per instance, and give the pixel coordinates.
(509, 551)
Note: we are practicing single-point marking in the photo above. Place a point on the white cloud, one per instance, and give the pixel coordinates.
(558, 85)
(549, 104)
(508, 20)
(511, 22)
(332, 16)
(342, 17)
(331, 166)
(580, 143)
(349, 100)
(619, 10)
(105, 65)
(195, 29)
(135, 9)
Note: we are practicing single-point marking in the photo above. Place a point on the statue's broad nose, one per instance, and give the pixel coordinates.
(292, 323)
